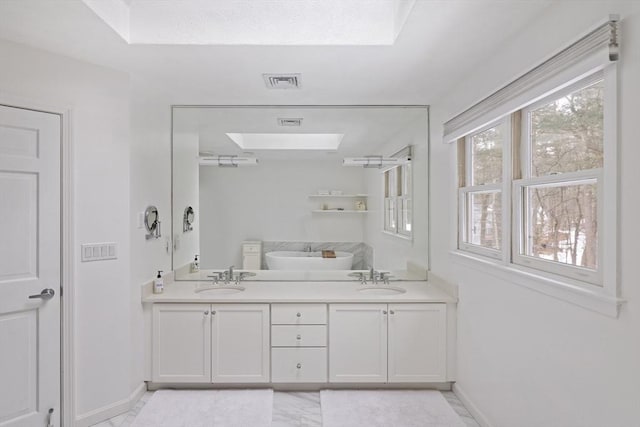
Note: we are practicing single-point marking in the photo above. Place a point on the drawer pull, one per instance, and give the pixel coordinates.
(298, 314)
(384, 312)
(392, 312)
(206, 313)
(299, 365)
(213, 312)
(299, 337)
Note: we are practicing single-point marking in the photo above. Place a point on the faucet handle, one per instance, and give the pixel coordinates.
(384, 276)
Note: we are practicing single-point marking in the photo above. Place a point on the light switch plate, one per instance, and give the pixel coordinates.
(98, 251)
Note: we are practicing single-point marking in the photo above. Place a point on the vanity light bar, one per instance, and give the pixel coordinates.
(228, 161)
(371, 161)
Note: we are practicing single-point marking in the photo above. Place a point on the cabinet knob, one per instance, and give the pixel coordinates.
(392, 312)
(213, 312)
(384, 311)
(206, 312)
(299, 365)
(299, 337)
(298, 314)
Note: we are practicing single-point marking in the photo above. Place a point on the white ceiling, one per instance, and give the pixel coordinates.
(440, 43)
(273, 22)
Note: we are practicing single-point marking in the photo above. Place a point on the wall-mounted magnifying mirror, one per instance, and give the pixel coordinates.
(187, 219)
(152, 222)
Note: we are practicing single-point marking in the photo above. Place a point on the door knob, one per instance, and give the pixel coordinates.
(46, 294)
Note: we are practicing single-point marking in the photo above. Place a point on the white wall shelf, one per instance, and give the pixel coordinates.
(341, 196)
(337, 211)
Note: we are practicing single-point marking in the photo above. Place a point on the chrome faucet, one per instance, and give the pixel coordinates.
(373, 276)
(228, 275)
(385, 277)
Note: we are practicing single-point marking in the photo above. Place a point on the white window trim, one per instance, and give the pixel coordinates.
(553, 96)
(397, 201)
(604, 298)
(592, 277)
(464, 218)
(566, 289)
(502, 187)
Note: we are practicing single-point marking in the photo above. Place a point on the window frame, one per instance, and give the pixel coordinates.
(520, 229)
(594, 289)
(466, 189)
(393, 198)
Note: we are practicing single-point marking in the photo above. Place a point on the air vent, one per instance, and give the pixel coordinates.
(289, 122)
(282, 81)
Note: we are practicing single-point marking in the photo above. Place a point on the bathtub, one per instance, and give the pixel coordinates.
(298, 260)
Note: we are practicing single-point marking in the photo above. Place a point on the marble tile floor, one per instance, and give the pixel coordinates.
(290, 409)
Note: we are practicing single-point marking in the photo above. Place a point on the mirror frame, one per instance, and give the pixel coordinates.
(288, 274)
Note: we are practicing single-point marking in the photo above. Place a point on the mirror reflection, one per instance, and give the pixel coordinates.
(299, 193)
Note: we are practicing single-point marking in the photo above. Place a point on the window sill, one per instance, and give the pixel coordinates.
(398, 235)
(592, 299)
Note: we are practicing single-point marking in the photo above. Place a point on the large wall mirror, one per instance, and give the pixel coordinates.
(299, 193)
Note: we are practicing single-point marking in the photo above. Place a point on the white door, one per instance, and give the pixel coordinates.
(240, 343)
(417, 342)
(181, 343)
(358, 343)
(29, 268)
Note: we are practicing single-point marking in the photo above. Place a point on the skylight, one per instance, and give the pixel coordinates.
(246, 22)
(287, 141)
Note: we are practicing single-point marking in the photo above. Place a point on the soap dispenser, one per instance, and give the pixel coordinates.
(158, 283)
(195, 265)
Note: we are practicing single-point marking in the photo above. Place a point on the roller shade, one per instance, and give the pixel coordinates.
(594, 51)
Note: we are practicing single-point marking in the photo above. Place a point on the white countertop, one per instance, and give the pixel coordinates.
(301, 276)
(299, 292)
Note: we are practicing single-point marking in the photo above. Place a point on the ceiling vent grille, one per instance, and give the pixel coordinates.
(282, 81)
(289, 122)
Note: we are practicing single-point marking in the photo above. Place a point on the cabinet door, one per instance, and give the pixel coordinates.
(181, 343)
(358, 343)
(240, 343)
(417, 342)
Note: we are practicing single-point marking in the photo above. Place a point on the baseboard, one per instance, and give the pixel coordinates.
(112, 410)
(446, 386)
(471, 407)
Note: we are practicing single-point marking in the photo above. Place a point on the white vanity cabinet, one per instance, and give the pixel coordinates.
(299, 343)
(181, 337)
(357, 343)
(417, 345)
(203, 343)
(380, 343)
(240, 343)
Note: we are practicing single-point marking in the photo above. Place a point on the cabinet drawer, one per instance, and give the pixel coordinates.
(304, 365)
(298, 314)
(298, 336)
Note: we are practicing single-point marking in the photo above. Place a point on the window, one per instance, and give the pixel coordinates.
(397, 200)
(481, 192)
(556, 201)
(531, 184)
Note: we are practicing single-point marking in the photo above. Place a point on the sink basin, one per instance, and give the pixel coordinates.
(219, 290)
(382, 290)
